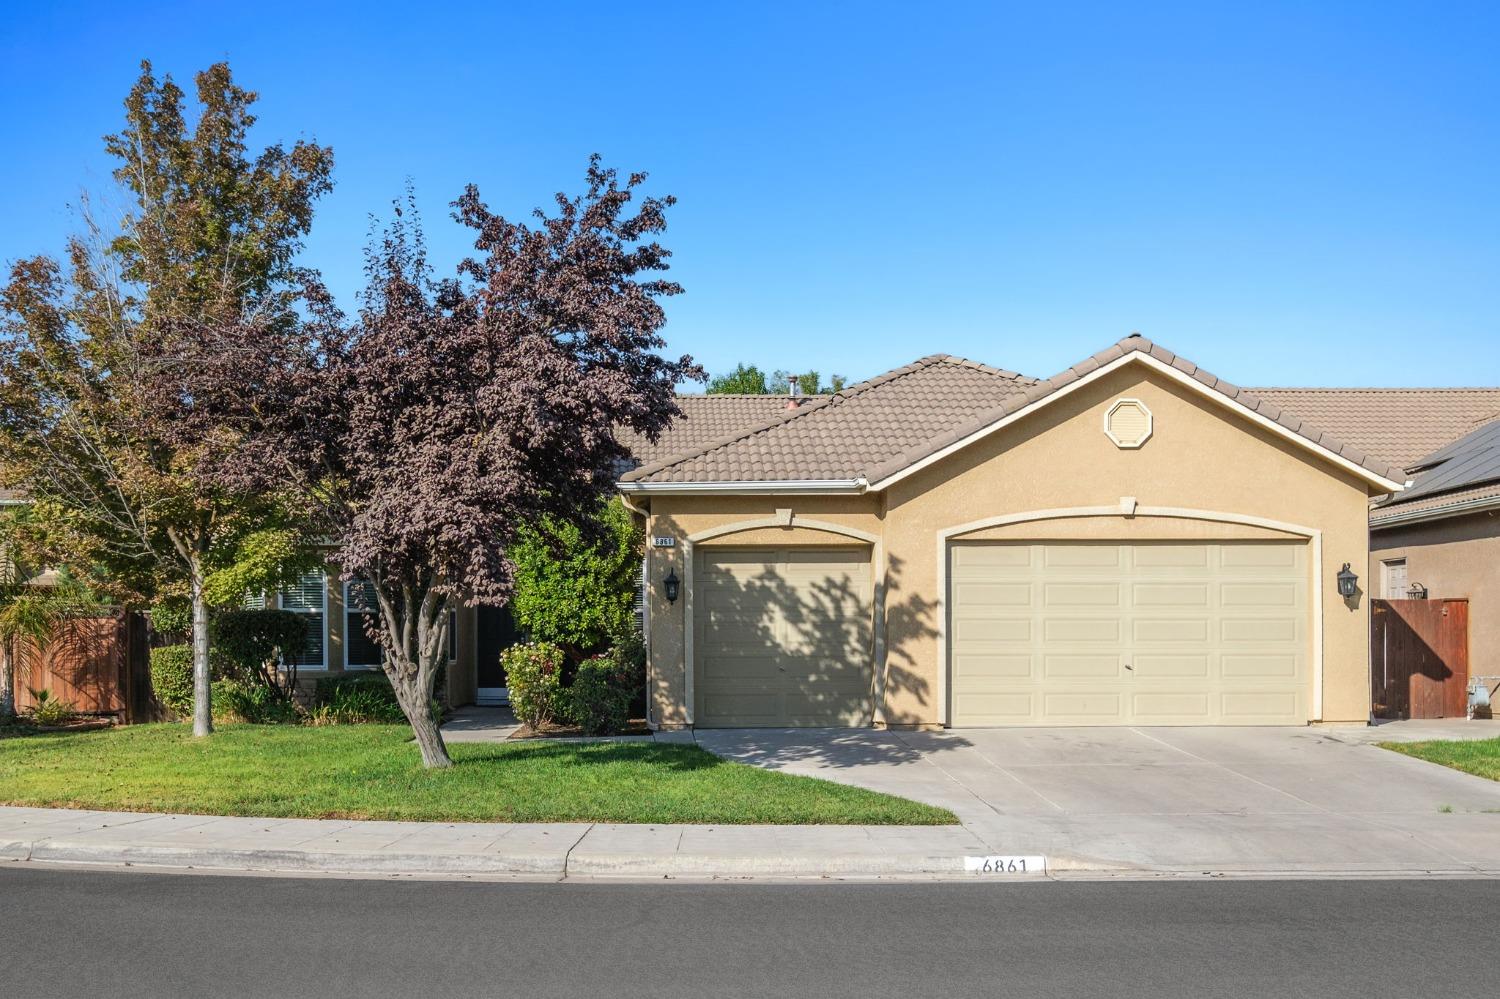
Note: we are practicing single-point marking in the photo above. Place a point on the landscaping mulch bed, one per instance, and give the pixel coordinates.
(22, 726)
(555, 730)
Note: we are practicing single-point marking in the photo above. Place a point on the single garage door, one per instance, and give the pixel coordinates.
(1079, 633)
(782, 637)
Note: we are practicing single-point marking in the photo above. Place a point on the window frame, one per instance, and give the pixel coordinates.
(321, 612)
(1388, 570)
(351, 621)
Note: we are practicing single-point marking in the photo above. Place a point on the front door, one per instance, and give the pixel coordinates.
(496, 633)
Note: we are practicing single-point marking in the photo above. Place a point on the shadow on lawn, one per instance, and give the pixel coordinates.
(588, 754)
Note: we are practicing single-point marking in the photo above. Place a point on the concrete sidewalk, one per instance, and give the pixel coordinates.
(482, 849)
(1303, 802)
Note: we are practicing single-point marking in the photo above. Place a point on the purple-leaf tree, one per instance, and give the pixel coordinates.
(454, 412)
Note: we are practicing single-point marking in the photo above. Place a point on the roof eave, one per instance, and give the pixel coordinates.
(802, 487)
(1478, 505)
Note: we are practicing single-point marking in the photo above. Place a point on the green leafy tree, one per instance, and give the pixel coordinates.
(575, 584)
(743, 380)
(131, 482)
(750, 380)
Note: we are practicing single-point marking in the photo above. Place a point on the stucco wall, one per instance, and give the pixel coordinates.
(684, 517)
(1453, 557)
(1200, 457)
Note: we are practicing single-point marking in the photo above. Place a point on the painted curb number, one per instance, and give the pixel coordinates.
(1006, 864)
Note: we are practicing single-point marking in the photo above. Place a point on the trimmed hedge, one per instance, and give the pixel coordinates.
(172, 675)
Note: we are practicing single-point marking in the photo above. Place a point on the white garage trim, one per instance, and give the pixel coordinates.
(786, 519)
(1314, 536)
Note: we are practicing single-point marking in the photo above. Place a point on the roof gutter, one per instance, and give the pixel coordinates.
(776, 487)
(1477, 505)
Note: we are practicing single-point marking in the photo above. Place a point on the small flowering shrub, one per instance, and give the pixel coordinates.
(533, 674)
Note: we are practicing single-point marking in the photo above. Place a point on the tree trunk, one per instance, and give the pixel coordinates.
(203, 715)
(416, 703)
(7, 680)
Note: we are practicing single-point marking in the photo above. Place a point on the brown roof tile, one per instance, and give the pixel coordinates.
(707, 418)
(840, 436)
(882, 426)
(1395, 425)
(1432, 507)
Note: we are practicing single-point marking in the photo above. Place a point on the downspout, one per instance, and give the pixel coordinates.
(645, 515)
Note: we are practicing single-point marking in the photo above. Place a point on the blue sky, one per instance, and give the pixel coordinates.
(1285, 193)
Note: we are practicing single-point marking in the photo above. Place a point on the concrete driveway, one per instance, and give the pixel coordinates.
(1284, 800)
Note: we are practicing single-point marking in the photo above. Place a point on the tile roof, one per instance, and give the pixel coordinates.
(843, 435)
(882, 426)
(707, 418)
(1468, 464)
(1432, 507)
(1396, 425)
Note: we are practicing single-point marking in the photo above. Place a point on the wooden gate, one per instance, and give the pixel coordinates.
(99, 665)
(1419, 658)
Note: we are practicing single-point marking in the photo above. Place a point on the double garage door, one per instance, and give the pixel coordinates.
(1076, 633)
(782, 637)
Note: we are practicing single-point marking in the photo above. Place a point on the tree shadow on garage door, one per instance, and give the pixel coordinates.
(784, 655)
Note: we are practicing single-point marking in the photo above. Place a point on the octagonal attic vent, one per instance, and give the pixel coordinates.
(1128, 423)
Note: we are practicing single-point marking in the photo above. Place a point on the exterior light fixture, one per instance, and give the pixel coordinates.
(1416, 592)
(671, 585)
(1348, 582)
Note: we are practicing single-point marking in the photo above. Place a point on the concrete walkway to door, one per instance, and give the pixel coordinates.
(1250, 800)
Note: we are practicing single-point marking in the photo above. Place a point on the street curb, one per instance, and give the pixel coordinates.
(297, 861)
(689, 867)
(720, 865)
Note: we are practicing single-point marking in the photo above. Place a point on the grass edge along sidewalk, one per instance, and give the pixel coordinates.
(1480, 757)
(374, 772)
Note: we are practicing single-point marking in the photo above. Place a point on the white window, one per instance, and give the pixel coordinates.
(361, 611)
(255, 601)
(309, 595)
(1393, 579)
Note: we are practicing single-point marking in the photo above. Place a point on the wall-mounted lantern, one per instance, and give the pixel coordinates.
(671, 585)
(1348, 582)
(1416, 592)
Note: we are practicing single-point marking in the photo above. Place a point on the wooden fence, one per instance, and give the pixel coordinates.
(100, 665)
(1419, 658)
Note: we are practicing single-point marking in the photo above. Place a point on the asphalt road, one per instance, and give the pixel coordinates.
(87, 933)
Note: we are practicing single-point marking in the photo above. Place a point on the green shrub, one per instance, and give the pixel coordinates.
(252, 638)
(50, 711)
(576, 586)
(533, 673)
(599, 699)
(251, 701)
(172, 675)
(359, 698)
(172, 617)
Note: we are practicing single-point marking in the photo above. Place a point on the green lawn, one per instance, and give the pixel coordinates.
(373, 772)
(1480, 757)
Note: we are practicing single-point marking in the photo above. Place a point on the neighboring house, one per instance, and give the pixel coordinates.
(1441, 537)
(1132, 541)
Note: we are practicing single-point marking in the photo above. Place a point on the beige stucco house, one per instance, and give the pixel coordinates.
(1132, 541)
